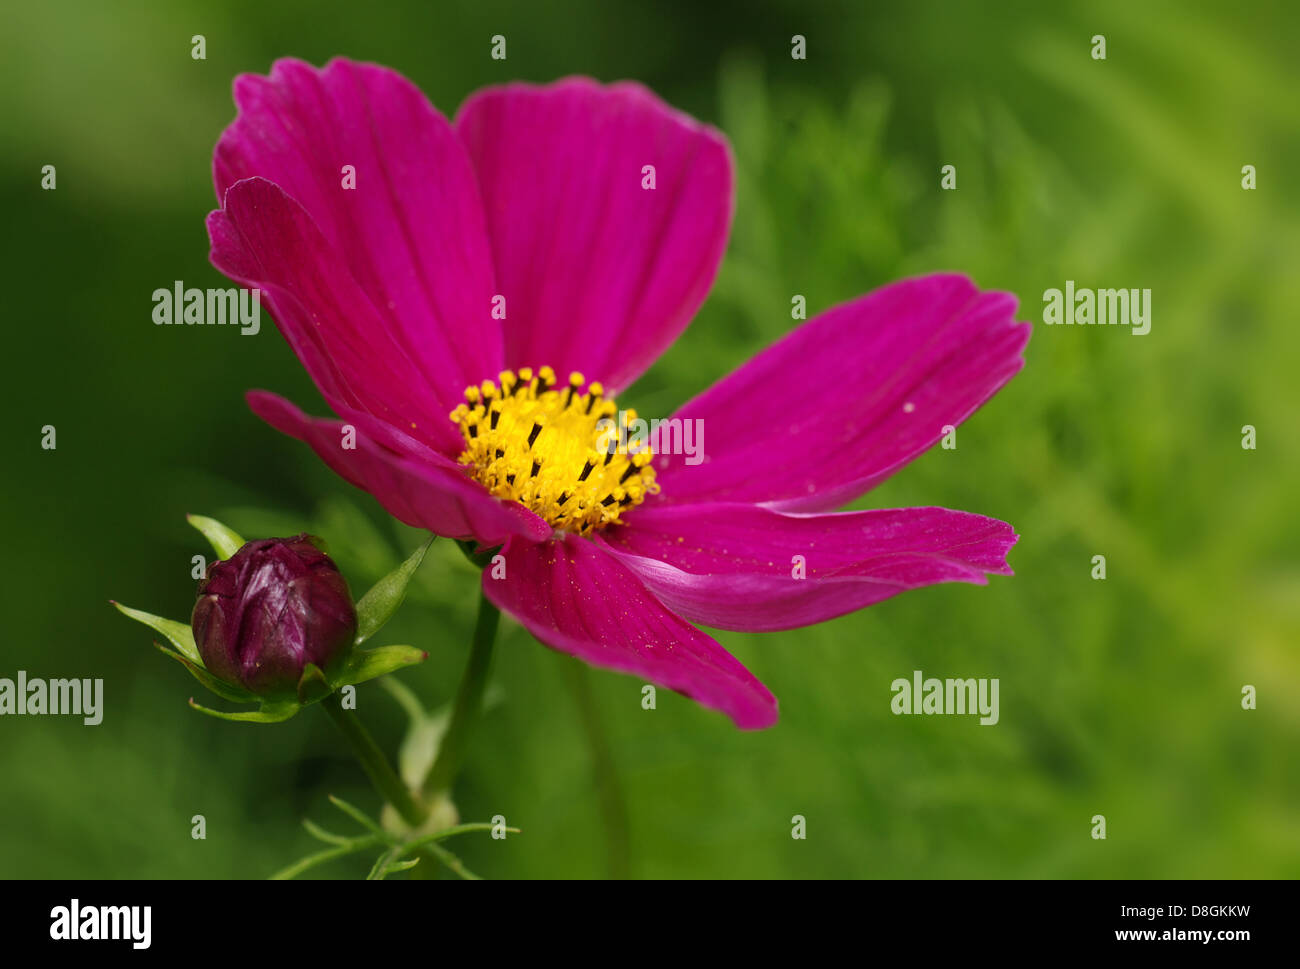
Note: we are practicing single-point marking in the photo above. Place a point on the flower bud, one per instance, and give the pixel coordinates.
(270, 609)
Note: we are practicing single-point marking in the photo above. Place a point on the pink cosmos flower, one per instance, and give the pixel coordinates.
(389, 290)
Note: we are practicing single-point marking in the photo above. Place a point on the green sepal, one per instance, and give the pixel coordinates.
(227, 691)
(312, 685)
(177, 633)
(366, 664)
(225, 541)
(373, 611)
(271, 712)
(378, 605)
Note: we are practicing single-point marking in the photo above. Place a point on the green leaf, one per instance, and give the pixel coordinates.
(405, 698)
(445, 833)
(320, 834)
(177, 633)
(360, 816)
(276, 712)
(366, 664)
(451, 861)
(378, 605)
(384, 864)
(225, 542)
(423, 738)
(312, 685)
(227, 691)
(311, 861)
(419, 747)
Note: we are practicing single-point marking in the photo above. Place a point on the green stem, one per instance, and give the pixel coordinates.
(613, 805)
(469, 702)
(375, 764)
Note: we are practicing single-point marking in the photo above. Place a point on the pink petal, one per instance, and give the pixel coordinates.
(599, 274)
(264, 239)
(410, 233)
(733, 566)
(844, 401)
(414, 483)
(577, 598)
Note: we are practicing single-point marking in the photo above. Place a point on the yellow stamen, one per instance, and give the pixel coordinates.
(553, 449)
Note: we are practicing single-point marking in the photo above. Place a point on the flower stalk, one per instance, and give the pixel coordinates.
(609, 789)
(469, 702)
(375, 764)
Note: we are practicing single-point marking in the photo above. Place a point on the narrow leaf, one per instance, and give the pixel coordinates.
(378, 605)
(360, 816)
(451, 861)
(379, 870)
(311, 861)
(225, 541)
(270, 712)
(177, 633)
(366, 664)
(312, 685)
(405, 698)
(227, 691)
(419, 748)
(428, 839)
(320, 834)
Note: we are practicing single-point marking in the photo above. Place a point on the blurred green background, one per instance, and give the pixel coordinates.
(1119, 697)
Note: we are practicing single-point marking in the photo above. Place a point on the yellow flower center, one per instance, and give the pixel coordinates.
(556, 450)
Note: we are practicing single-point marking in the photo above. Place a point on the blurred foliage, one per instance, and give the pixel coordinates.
(1119, 697)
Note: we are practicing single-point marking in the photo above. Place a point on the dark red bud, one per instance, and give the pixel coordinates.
(270, 609)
